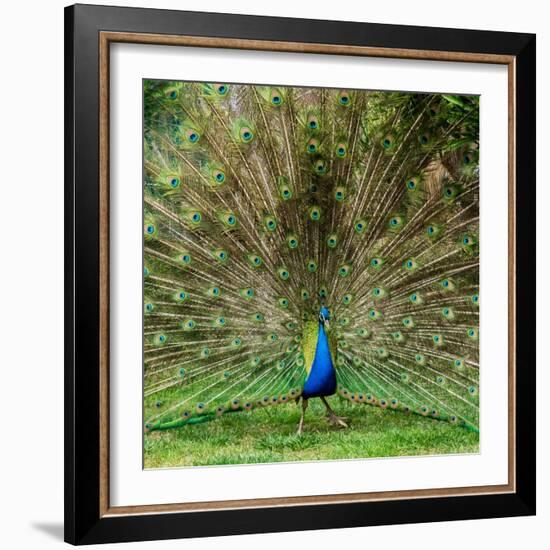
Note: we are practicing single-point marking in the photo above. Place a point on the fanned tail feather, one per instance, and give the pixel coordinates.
(261, 203)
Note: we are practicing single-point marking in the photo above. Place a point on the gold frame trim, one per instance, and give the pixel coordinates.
(105, 39)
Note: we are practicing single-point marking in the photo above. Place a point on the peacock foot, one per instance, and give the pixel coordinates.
(338, 421)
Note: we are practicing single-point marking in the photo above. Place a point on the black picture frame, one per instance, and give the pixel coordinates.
(84, 523)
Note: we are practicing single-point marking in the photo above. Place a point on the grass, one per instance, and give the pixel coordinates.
(269, 435)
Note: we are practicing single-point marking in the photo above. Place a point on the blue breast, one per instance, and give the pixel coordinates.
(322, 376)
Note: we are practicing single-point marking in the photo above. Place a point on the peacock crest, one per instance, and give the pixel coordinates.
(295, 233)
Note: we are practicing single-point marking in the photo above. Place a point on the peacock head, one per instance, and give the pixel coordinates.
(324, 315)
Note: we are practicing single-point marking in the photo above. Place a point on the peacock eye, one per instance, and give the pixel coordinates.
(320, 166)
(246, 134)
(313, 124)
(315, 214)
(186, 258)
(344, 98)
(196, 217)
(150, 229)
(283, 302)
(270, 223)
(341, 150)
(219, 176)
(339, 194)
(343, 270)
(284, 274)
(449, 192)
(347, 299)
(222, 89)
(221, 255)
(174, 182)
(387, 142)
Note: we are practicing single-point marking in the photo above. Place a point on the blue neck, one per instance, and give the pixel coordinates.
(322, 376)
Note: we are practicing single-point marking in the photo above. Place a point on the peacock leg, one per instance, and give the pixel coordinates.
(301, 424)
(333, 418)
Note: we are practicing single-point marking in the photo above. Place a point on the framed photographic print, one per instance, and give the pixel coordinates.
(299, 269)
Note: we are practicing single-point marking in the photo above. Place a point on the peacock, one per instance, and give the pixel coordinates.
(304, 243)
